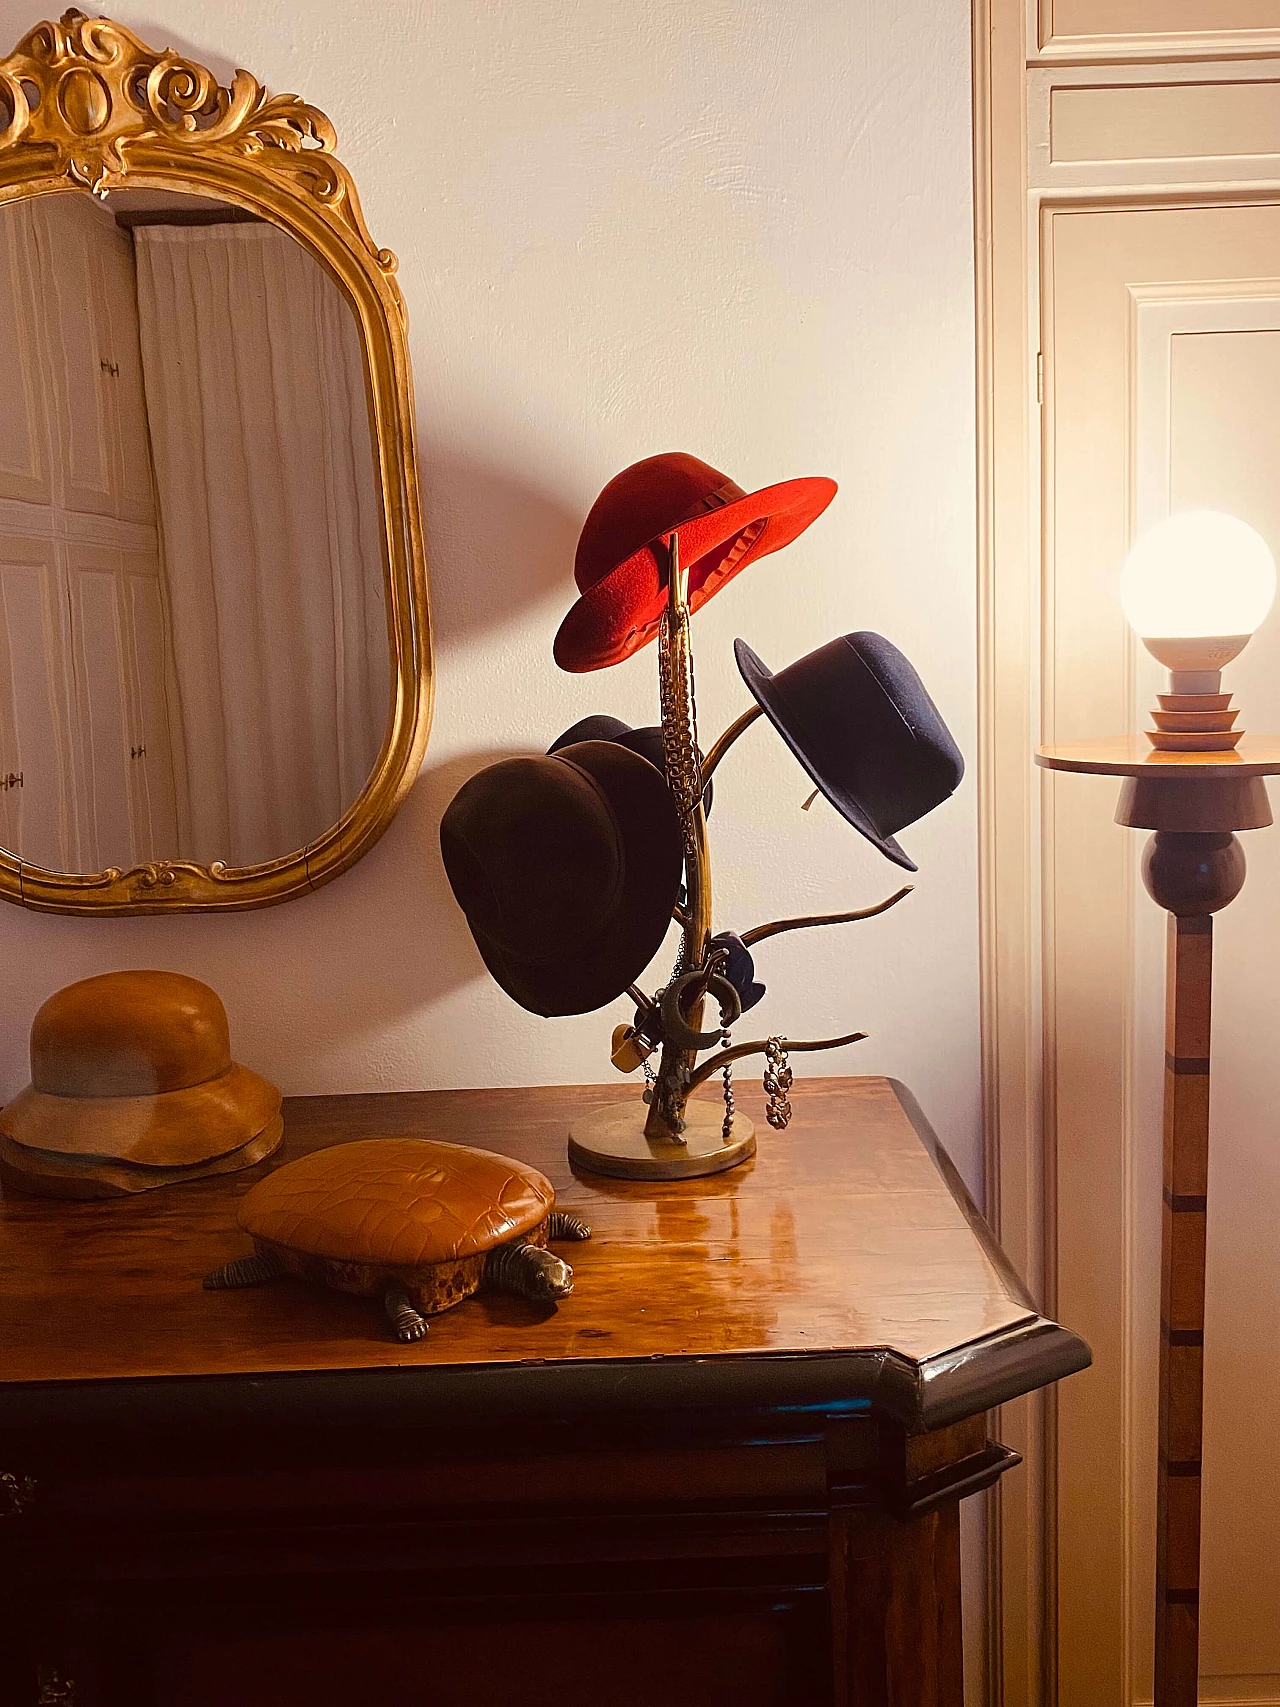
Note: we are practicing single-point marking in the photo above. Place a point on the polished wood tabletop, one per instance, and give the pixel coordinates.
(1133, 755)
(849, 1233)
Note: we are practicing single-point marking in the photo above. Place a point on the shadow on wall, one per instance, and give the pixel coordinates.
(496, 545)
(414, 947)
(335, 990)
(325, 988)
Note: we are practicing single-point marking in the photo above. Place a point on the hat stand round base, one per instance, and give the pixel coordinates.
(611, 1140)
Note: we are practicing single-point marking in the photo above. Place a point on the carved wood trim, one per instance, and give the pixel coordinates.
(85, 106)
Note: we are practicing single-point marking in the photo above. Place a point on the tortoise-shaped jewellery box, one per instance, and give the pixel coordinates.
(418, 1224)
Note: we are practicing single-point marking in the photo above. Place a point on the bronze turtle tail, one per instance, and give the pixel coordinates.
(245, 1271)
(561, 1225)
(529, 1272)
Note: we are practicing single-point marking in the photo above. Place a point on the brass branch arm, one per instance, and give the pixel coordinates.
(726, 740)
(709, 1068)
(750, 938)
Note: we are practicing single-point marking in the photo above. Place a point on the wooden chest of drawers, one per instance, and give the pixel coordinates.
(725, 1471)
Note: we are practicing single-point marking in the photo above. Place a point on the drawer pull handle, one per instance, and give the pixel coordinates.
(16, 1493)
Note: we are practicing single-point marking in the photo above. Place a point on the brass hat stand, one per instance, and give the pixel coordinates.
(672, 1138)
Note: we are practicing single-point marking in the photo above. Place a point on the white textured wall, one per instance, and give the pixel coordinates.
(738, 227)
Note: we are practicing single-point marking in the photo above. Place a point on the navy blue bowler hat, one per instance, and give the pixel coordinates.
(647, 742)
(739, 968)
(860, 721)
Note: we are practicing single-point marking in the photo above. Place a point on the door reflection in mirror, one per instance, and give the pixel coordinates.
(194, 654)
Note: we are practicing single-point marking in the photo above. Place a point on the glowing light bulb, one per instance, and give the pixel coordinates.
(1196, 575)
(1195, 587)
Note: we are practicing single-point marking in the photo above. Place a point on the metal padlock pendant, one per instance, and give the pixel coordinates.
(629, 1048)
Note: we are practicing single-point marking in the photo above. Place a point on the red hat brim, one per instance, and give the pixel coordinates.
(623, 610)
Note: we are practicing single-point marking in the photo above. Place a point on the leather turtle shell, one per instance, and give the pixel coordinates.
(407, 1202)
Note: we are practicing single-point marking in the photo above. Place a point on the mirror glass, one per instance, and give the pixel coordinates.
(194, 652)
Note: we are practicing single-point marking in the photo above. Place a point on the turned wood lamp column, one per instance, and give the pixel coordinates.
(1193, 866)
(1195, 588)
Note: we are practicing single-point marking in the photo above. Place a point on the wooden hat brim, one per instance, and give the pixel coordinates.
(40, 1173)
(172, 1129)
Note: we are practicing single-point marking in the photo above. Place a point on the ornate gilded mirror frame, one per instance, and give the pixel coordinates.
(85, 105)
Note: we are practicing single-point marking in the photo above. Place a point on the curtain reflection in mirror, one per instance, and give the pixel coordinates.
(194, 659)
(270, 537)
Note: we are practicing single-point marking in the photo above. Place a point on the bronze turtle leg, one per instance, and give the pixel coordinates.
(562, 1225)
(245, 1271)
(529, 1272)
(407, 1322)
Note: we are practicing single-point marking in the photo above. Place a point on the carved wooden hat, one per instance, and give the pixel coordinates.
(621, 564)
(567, 867)
(860, 721)
(136, 1067)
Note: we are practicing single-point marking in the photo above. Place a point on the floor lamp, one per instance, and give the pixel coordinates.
(1194, 588)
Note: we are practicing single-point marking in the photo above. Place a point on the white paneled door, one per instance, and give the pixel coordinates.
(100, 653)
(25, 467)
(37, 784)
(71, 236)
(152, 789)
(1162, 363)
(84, 705)
(1129, 207)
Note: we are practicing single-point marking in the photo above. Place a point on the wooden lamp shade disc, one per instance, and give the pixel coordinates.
(1189, 741)
(1199, 702)
(1195, 722)
(45, 1173)
(611, 1140)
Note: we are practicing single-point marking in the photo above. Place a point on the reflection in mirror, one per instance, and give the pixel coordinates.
(194, 657)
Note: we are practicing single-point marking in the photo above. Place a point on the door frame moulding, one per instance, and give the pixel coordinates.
(1021, 1550)
(1219, 170)
(1137, 47)
(1162, 313)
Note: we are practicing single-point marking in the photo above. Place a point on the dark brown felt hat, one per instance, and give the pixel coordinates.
(567, 867)
(647, 742)
(136, 1067)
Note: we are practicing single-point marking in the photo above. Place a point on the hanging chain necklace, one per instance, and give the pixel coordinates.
(777, 1082)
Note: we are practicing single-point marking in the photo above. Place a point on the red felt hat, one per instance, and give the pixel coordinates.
(621, 566)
